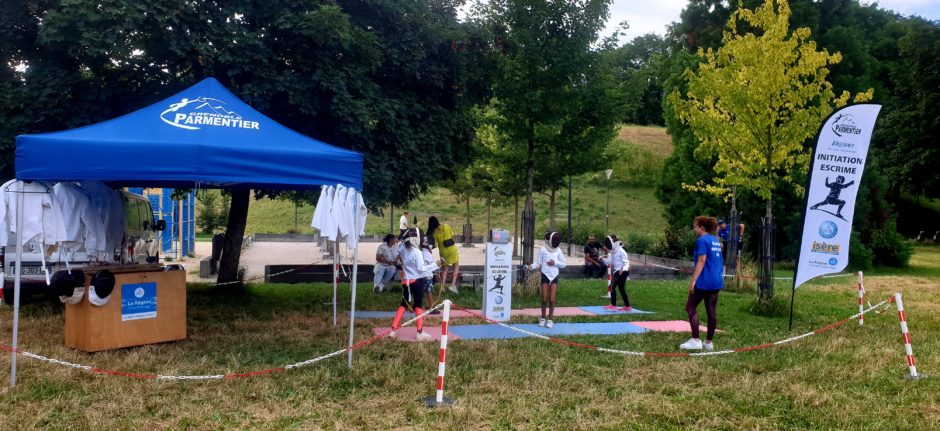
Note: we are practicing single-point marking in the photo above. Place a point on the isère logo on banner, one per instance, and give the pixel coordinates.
(845, 124)
(204, 111)
(822, 247)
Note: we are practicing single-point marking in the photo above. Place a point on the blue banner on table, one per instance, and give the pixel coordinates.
(835, 173)
(138, 301)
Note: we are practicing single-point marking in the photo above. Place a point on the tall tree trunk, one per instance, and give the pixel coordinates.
(515, 229)
(489, 219)
(551, 210)
(528, 214)
(234, 231)
(766, 285)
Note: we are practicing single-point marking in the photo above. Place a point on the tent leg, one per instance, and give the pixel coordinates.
(16, 283)
(335, 277)
(352, 306)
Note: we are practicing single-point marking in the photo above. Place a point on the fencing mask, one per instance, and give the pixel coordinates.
(102, 284)
(553, 239)
(412, 237)
(69, 286)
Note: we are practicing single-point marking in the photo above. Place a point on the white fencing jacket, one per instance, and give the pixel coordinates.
(546, 254)
(412, 261)
(618, 259)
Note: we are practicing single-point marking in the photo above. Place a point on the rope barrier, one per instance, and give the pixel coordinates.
(674, 354)
(143, 376)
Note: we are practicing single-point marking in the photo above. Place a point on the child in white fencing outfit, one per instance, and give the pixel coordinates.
(550, 260)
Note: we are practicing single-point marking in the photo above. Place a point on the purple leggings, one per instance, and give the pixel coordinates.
(711, 303)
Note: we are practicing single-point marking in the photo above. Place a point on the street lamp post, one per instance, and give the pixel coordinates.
(607, 214)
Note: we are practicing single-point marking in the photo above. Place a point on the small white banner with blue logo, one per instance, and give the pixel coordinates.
(138, 301)
(497, 299)
(835, 173)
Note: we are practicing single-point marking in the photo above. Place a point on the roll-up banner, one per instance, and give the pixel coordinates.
(835, 173)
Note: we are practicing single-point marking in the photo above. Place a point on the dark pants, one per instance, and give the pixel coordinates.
(710, 297)
(618, 282)
(594, 269)
(414, 293)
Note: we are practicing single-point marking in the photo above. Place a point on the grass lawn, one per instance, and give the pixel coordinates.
(848, 378)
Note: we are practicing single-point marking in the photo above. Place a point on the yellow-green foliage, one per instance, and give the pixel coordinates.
(755, 101)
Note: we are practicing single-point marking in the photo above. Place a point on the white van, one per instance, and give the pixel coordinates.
(141, 234)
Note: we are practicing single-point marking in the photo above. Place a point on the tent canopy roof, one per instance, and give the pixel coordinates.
(203, 135)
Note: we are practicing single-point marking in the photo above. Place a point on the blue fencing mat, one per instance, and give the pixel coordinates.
(599, 309)
(484, 332)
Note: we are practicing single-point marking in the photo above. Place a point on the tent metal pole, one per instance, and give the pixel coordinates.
(335, 277)
(352, 306)
(20, 201)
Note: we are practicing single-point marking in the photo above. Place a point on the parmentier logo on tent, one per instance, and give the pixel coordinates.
(192, 114)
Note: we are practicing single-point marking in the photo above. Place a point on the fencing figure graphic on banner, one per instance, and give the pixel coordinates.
(835, 189)
(498, 287)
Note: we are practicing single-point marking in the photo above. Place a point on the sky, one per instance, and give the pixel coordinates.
(652, 16)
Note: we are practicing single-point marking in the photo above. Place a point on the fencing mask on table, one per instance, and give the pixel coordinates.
(102, 284)
(69, 285)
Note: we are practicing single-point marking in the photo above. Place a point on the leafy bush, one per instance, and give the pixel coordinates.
(889, 247)
(860, 256)
(677, 244)
(642, 243)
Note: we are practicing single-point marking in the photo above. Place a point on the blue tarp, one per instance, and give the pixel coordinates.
(202, 135)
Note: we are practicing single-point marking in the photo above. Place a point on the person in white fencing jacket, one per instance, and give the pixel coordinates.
(550, 260)
(620, 269)
(412, 292)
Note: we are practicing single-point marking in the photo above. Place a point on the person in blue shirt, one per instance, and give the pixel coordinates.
(707, 280)
(723, 234)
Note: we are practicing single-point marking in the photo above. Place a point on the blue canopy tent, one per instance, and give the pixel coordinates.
(203, 136)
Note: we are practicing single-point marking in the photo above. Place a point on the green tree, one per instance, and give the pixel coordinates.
(754, 102)
(391, 79)
(551, 90)
(640, 65)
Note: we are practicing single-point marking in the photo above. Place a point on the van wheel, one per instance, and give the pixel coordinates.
(8, 295)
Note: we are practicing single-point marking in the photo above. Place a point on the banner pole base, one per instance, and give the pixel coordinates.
(431, 402)
(911, 377)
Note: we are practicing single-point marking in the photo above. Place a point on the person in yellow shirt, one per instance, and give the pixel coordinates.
(447, 249)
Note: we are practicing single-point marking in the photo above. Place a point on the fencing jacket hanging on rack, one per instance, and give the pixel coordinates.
(109, 206)
(322, 211)
(82, 227)
(39, 224)
(336, 212)
(355, 224)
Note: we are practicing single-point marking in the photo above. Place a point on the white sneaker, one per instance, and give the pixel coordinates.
(692, 344)
(542, 322)
(707, 345)
(549, 324)
(453, 289)
(391, 334)
(423, 336)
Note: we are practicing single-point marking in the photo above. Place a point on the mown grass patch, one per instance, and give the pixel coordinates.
(845, 378)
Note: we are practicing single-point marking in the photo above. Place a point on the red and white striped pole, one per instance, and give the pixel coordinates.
(907, 339)
(609, 272)
(861, 297)
(438, 399)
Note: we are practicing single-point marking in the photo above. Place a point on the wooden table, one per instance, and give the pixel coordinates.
(135, 321)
